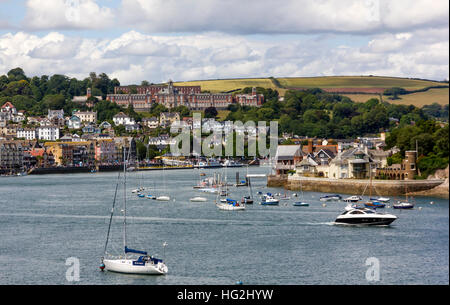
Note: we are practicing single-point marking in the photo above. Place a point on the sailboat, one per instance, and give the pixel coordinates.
(301, 203)
(163, 197)
(228, 204)
(405, 205)
(133, 261)
(373, 203)
(248, 199)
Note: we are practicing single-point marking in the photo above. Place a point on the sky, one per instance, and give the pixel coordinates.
(158, 40)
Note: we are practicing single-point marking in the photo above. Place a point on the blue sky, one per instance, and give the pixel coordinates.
(158, 40)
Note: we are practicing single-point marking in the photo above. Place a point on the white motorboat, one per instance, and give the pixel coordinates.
(198, 199)
(330, 198)
(231, 163)
(353, 198)
(364, 216)
(403, 205)
(163, 198)
(381, 199)
(133, 261)
(268, 199)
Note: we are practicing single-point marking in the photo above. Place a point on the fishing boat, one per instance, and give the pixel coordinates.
(198, 199)
(334, 197)
(268, 199)
(133, 261)
(364, 216)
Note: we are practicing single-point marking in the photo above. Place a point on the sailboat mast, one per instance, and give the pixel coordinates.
(125, 200)
(112, 212)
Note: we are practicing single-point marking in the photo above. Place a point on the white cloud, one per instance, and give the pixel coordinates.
(66, 14)
(135, 56)
(289, 16)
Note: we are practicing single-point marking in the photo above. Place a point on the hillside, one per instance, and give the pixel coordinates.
(358, 88)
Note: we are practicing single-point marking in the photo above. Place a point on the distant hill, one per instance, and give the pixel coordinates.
(358, 88)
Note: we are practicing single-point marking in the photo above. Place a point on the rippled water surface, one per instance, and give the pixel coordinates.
(44, 220)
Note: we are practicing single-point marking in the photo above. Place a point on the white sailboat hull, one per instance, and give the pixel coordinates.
(229, 207)
(163, 198)
(198, 199)
(127, 266)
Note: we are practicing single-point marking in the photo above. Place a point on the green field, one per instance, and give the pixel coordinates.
(355, 82)
(419, 99)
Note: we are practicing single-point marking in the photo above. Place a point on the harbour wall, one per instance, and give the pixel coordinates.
(353, 186)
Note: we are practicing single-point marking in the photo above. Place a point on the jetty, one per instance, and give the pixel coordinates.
(351, 186)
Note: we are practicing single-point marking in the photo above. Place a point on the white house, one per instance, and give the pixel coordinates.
(74, 122)
(26, 133)
(87, 116)
(123, 119)
(48, 133)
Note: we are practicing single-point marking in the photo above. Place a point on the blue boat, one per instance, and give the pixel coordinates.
(300, 204)
(374, 204)
(141, 195)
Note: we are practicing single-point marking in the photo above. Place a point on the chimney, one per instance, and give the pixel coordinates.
(310, 146)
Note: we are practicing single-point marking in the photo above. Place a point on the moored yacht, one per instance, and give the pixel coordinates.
(364, 216)
(353, 198)
(403, 205)
(330, 197)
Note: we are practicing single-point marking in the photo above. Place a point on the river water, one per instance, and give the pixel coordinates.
(46, 221)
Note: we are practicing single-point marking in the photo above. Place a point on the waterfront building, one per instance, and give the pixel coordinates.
(106, 152)
(286, 158)
(80, 153)
(11, 155)
(404, 171)
(352, 163)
